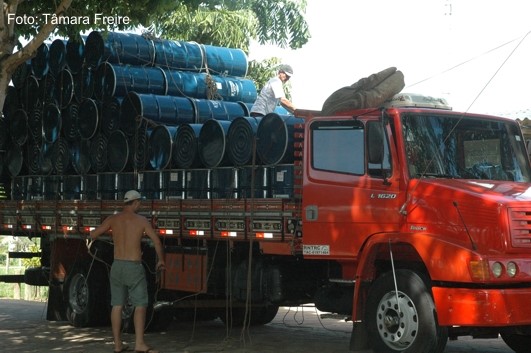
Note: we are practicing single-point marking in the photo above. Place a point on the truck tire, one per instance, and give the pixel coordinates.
(518, 343)
(407, 323)
(87, 296)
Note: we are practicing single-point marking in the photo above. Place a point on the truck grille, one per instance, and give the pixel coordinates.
(520, 225)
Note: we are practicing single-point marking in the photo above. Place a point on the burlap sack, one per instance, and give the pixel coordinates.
(369, 92)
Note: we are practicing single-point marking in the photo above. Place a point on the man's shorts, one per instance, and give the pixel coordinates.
(128, 277)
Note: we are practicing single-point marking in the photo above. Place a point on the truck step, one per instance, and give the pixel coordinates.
(23, 255)
(12, 278)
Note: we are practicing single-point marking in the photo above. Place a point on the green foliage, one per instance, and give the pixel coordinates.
(34, 261)
(235, 23)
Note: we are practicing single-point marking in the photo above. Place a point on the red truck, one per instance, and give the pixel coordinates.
(412, 220)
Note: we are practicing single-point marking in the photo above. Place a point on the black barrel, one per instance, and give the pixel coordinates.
(98, 153)
(275, 138)
(18, 127)
(213, 143)
(57, 56)
(241, 140)
(110, 114)
(64, 88)
(117, 47)
(40, 62)
(118, 153)
(84, 84)
(161, 109)
(178, 55)
(69, 122)
(118, 80)
(75, 53)
(80, 156)
(185, 146)
(51, 123)
(47, 89)
(160, 146)
(88, 118)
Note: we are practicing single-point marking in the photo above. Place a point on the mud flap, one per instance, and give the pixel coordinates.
(359, 338)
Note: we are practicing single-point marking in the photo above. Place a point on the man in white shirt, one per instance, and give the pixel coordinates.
(273, 93)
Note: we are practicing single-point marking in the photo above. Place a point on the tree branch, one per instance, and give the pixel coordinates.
(12, 62)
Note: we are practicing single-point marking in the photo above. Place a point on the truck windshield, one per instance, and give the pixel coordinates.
(444, 146)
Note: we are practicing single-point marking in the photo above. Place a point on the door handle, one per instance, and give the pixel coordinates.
(311, 213)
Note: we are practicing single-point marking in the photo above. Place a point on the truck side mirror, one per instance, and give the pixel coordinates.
(375, 145)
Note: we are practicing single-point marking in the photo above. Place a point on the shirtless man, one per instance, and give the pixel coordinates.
(127, 274)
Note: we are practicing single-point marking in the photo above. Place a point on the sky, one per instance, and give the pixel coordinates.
(474, 53)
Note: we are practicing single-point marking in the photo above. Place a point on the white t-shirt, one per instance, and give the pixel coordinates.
(269, 97)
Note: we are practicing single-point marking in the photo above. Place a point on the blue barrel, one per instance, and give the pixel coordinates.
(40, 62)
(110, 114)
(51, 123)
(35, 125)
(29, 95)
(161, 145)
(61, 157)
(64, 88)
(275, 138)
(84, 84)
(117, 47)
(226, 61)
(140, 146)
(241, 137)
(14, 160)
(185, 152)
(22, 72)
(12, 102)
(213, 143)
(118, 152)
(178, 55)
(206, 109)
(234, 89)
(118, 80)
(47, 89)
(4, 134)
(185, 84)
(161, 109)
(80, 154)
(88, 118)
(57, 56)
(98, 153)
(75, 53)
(18, 127)
(69, 122)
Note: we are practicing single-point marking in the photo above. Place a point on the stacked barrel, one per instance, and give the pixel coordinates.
(94, 116)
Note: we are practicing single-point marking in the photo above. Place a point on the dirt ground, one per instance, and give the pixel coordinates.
(23, 328)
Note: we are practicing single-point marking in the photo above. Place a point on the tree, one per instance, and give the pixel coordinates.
(219, 22)
(36, 20)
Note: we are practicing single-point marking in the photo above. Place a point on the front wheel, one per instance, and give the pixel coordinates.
(405, 321)
(517, 342)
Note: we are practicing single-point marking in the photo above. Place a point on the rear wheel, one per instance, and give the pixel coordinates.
(405, 321)
(86, 294)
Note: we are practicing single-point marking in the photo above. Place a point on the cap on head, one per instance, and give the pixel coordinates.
(131, 195)
(286, 69)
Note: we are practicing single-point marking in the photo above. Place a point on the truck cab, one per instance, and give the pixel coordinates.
(427, 211)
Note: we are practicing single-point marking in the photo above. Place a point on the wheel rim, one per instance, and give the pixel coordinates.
(397, 321)
(78, 294)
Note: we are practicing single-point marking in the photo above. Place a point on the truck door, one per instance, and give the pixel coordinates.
(350, 187)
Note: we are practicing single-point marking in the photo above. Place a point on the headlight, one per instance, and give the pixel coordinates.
(512, 269)
(497, 269)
